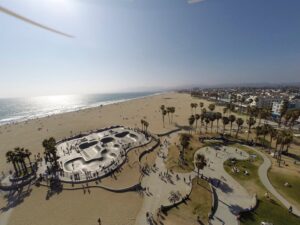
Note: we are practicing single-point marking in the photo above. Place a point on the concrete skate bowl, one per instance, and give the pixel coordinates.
(87, 144)
(126, 134)
(107, 140)
(80, 164)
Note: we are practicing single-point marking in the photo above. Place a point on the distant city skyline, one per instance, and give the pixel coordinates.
(141, 45)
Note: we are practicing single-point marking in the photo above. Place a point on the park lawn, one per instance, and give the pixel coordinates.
(267, 210)
(292, 193)
(198, 205)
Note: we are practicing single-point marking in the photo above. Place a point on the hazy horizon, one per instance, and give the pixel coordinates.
(140, 45)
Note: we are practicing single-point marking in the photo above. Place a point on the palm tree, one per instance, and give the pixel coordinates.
(142, 123)
(164, 113)
(212, 118)
(51, 151)
(211, 107)
(203, 115)
(258, 132)
(146, 125)
(197, 117)
(225, 121)
(10, 158)
(273, 134)
(28, 154)
(283, 110)
(200, 163)
(191, 121)
(251, 121)
(207, 121)
(20, 158)
(172, 111)
(218, 117)
(231, 120)
(239, 123)
(201, 104)
(184, 142)
(168, 112)
(192, 107)
(265, 131)
(288, 139)
(195, 106)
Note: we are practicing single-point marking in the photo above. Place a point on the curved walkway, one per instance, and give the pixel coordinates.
(263, 175)
(232, 197)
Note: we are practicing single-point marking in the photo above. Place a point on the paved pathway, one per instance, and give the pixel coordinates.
(159, 189)
(263, 175)
(232, 197)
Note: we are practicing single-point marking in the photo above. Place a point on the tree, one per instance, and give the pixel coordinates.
(203, 113)
(10, 158)
(225, 121)
(164, 113)
(28, 154)
(273, 133)
(251, 121)
(239, 123)
(218, 117)
(265, 130)
(193, 105)
(258, 132)
(146, 125)
(51, 151)
(212, 118)
(197, 117)
(168, 112)
(20, 158)
(142, 123)
(191, 121)
(211, 107)
(231, 120)
(207, 120)
(201, 104)
(200, 163)
(172, 111)
(184, 142)
(283, 110)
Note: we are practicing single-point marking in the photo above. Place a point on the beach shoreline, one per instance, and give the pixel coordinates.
(20, 119)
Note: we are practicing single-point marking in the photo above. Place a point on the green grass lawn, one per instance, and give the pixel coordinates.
(292, 193)
(267, 210)
(198, 205)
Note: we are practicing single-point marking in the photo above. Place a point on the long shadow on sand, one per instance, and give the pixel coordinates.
(16, 197)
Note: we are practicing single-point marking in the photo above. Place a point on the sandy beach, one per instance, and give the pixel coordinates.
(75, 207)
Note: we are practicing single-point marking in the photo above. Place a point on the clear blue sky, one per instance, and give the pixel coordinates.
(131, 45)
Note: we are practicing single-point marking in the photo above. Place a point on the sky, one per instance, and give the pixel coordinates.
(144, 45)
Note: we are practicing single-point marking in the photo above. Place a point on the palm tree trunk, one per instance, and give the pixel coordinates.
(15, 167)
(237, 131)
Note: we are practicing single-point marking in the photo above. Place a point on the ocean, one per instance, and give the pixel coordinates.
(21, 109)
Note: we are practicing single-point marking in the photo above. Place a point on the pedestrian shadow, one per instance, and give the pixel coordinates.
(235, 209)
